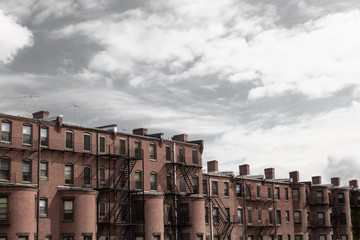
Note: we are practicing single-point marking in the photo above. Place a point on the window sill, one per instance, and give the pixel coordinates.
(66, 221)
(7, 142)
(26, 182)
(27, 144)
(4, 180)
(43, 216)
(153, 160)
(44, 179)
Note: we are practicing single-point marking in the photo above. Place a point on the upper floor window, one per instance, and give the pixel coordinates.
(297, 217)
(341, 198)
(27, 134)
(226, 189)
(295, 195)
(181, 155)
(195, 157)
(102, 209)
(321, 218)
(153, 151)
(5, 131)
(216, 215)
(214, 185)
(206, 215)
(87, 176)
(44, 169)
(4, 208)
(343, 219)
(69, 140)
(68, 214)
(196, 184)
(26, 170)
(43, 207)
(287, 215)
(319, 196)
(271, 216)
(240, 216)
(137, 149)
(238, 190)
(258, 191)
(4, 168)
(87, 142)
(102, 171)
(138, 180)
(278, 216)
(122, 147)
(182, 183)
(168, 153)
(44, 136)
(269, 192)
(277, 193)
(248, 191)
(249, 215)
(205, 187)
(153, 181)
(286, 194)
(102, 143)
(69, 174)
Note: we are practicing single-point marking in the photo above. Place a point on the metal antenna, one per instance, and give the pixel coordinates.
(25, 97)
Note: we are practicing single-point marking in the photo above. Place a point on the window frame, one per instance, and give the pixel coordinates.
(341, 200)
(7, 171)
(214, 188)
(87, 181)
(297, 217)
(240, 216)
(277, 193)
(26, 161)
(44, 141)
(138, 182)
(67, 144)
(319, 196)
(168, 153)
(102, 175)
(43, 214)
(205, 186)
(226, 189)
(181, 157)
(122, 142)
(70, 212)
(321, 218)
(195, 157)
(30, 140)
(102, 209)
(9, 132)
(71, 180)
(102, 145)
(296, 195)
(85, 147)
(153, 151)
(4, 214)
(46, 176)
(137, 149)
(153, 181)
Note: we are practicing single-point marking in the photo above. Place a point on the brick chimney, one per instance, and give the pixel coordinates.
(212, 166)
(140, 131)
(269, 173)
(316, 180)
(354, 183)
(335, 181)
(244, 169)
(41, 114)
(294, 175)
(60, 120)
(180, 137)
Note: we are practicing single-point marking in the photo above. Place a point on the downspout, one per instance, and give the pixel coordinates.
(38, 179)
(175, 196)
(211, 211)
(274, 204)
(245, 210)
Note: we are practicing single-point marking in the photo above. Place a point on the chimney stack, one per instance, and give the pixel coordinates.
(244, 169)
(316, 180)
(140, 131)
(41, 114)
(294, 175)
(180, 137)
(269, 173)
(354, 183)
(212, 166)
(335, 181)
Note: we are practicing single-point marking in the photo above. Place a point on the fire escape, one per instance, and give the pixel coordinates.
(124, 197)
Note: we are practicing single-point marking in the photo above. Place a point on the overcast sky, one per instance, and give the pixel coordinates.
(271, 83)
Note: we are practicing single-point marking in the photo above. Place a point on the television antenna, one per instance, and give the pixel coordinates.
(27, 97)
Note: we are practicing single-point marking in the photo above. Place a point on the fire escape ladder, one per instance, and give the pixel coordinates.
(224, 222)
(335, 221)
(185, 174)
(123, 205)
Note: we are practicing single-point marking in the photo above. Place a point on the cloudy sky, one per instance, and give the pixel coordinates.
(271, 83)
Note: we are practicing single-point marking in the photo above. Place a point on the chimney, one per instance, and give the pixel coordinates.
(269, 173)
(180, 137)
(294, 175)
(41, 114)
(335, 181)
(60, 120)
(354, 183)
(316, 180)
(140, 131)
(244, 169)
(212, 166)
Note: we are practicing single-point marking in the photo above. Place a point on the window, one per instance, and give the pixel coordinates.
(196, 184)
(168, 214)
(205, 190)
(238, 190)
(226, 189)
(48, 237)
(181, 155)
(156, 237)
(200, 237)
(344, 237)
(44, 136)
(259, 215)
(206, 215)
(277, 193)
(298, 237)
(227, 214)
(43, 207)
(152, 151)
(122, 147)
(248, 191)
(169, 182)
(296, 195)
(102, 209)
(4, 168)
(342, 219)
(68, 209)
(182, 183)
(341, 198)
(269, 192)
(214, 185)
(184, 213)
(3, 208)
(308, 217)
(319, 196)
(87, 237)
(287, 215)
(102, 143)
(27, 134)
(68, 238)
(44, 169)
(168, 153)
(23, 237)
(286, 194)
(102, 171)
(278, 216)
(153, 181)
(87, 176)
(137, 147)
(138, 180)
(322, 237)
(69, 174)
(297, 217)
(195, 157)
(258, 191)
(5, 131)
(87, 142)
(216, 215)
(240, 216)
(271, 217)
(321, 218)
(279, 237)
(249, 215)
(69, 140)
(26, 171)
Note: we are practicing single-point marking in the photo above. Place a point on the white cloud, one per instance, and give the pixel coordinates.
(13, 38)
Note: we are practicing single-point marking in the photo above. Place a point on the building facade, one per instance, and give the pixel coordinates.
(69, 182)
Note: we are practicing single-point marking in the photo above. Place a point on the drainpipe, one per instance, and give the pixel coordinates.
(245, 210)
(275, 214)
(175, 196)
(38, 179)
(211, 211)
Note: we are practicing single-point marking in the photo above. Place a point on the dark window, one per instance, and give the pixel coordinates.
(206, 215)
(269, 192)
(87, 176)
(319, 196)
(249, 211)
(184, 213)
(68, 238)
(240, 216)
(227, 214)
(68, 209)
(259, 215)
(195, 156)
(287, 215)
(181, 155)
(23, 237)
(321, 218)
(214, 187)
(138, 213)
(342, 219)
(258, 191)
(226, 189)
(205, 188)
(216, 215)
(27, 134)
(87, 142)
(271, 216)
(138, 180)
(168, 153)
(122, 147)
(43, 207)
(3, 208)
(6, 131)
(298, 237)
(168, 212)
(137, 147)
(153, 181)
(182, 183)
(4, 168)
(169, 183)
(102, 142)
(295, 195)
(196, 184)
(87, 237)
(44, 169)
(238, 190)
(341, 198)
(279, 237)
(286, 194)
(26, 171)
(278, 216)
(297, 217)
(153, 151)
(277, 193)
(102, 171)
(69, 174)
(69, 140)
(248, 191)
(102, 209)
(44, 136)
